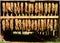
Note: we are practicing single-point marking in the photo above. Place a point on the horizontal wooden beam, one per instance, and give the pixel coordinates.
(28, 17)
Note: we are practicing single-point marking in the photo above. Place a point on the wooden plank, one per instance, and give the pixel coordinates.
(31, 17)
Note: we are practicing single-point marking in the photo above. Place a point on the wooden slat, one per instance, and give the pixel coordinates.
(33, 17)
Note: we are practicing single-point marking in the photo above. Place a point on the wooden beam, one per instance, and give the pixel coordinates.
(28, 17)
